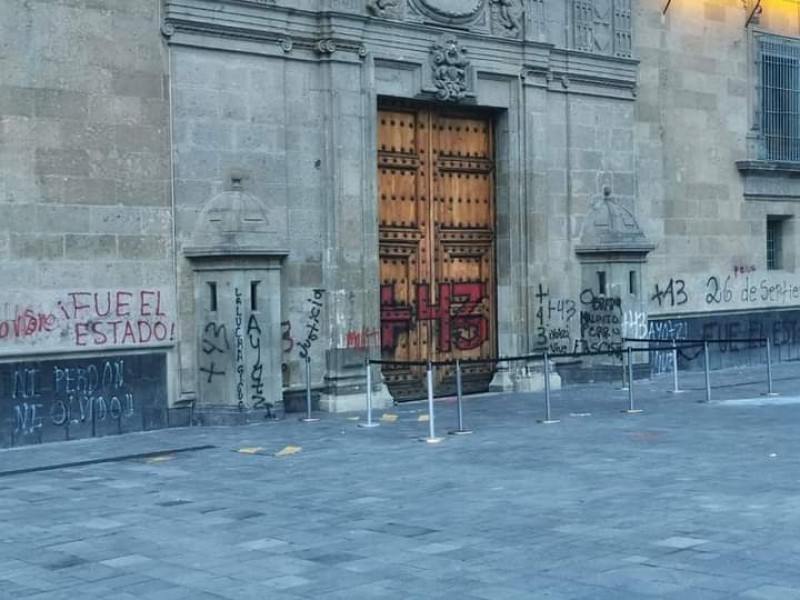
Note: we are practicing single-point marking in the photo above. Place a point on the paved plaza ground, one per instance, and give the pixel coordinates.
(685, 500)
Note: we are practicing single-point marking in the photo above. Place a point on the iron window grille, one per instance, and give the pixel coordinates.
(778, 69)
(774, 243)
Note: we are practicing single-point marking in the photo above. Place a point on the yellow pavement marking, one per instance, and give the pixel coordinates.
(250, 450)
(289, 450)
(388, 417)
(424, 418)
(158, 459)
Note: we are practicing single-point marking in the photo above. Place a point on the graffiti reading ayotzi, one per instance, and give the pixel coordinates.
(257, 369)
(313, 323)
(457, 314)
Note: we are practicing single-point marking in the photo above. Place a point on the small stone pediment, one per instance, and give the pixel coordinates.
(234, 222)
(610, 227)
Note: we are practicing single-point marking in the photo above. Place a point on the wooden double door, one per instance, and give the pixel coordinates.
(437, 245)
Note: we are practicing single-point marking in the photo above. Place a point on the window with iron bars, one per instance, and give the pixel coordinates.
(778, 66)
(775, 242)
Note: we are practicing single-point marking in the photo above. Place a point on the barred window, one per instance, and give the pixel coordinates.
(779, 97)
(774, 242)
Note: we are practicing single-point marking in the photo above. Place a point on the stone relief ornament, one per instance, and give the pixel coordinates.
(326, 46)
(603, 26)
(507, 17)
(450, 11)
(386, 9)
(450, 64)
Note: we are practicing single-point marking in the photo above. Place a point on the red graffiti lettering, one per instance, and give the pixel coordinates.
(27, 323)
(457, 313)
(470, 328)
(395, 318)
(362, 339)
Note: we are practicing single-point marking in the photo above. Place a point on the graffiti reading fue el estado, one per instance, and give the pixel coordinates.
(83, 318)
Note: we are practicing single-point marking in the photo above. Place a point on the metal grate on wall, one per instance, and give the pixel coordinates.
(778, 68)
(774, 243)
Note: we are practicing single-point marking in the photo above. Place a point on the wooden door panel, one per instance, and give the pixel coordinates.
(466, 265)
(436, 244)
(400, 331)
(464, 173)
(402, 180)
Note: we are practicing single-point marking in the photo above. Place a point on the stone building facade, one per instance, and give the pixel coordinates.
(88, 312)
(207, 201)
(717, 185)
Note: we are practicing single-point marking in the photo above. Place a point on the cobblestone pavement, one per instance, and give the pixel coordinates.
(685, 500)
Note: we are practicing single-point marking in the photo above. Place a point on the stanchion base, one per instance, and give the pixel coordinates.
(676, 391)
(631, 411)
(770, 394)
(369, 425)
(308, 419)
(431, 440)
(548, 421)
(460, 432)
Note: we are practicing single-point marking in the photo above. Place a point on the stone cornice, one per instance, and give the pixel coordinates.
(309, 34)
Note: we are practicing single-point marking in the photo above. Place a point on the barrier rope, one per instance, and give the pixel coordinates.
(680, 345)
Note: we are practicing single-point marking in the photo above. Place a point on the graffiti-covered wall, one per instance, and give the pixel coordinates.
(88, 304)
(55, 400)
(76, 319)
(707, 190)
(742, 338)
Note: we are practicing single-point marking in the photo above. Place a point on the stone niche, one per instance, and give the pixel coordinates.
(236, 255)
(612, 252)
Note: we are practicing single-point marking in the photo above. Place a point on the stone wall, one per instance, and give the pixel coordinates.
(695, 120)
(293, 105)
(86, 233)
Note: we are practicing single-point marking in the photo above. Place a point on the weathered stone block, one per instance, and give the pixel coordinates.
(143, 247)
(37, 246)
(96, 247)
(17, 100)
(53, 218)
(60, 104)
(62, 162)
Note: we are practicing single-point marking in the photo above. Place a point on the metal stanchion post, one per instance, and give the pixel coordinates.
(431, 439)
(370, 423)
(547, 420)
(770, 392)
(624, 386)
(631, 408)
(675, 389)
(308, 418)
(460, 430)
(707, 368)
